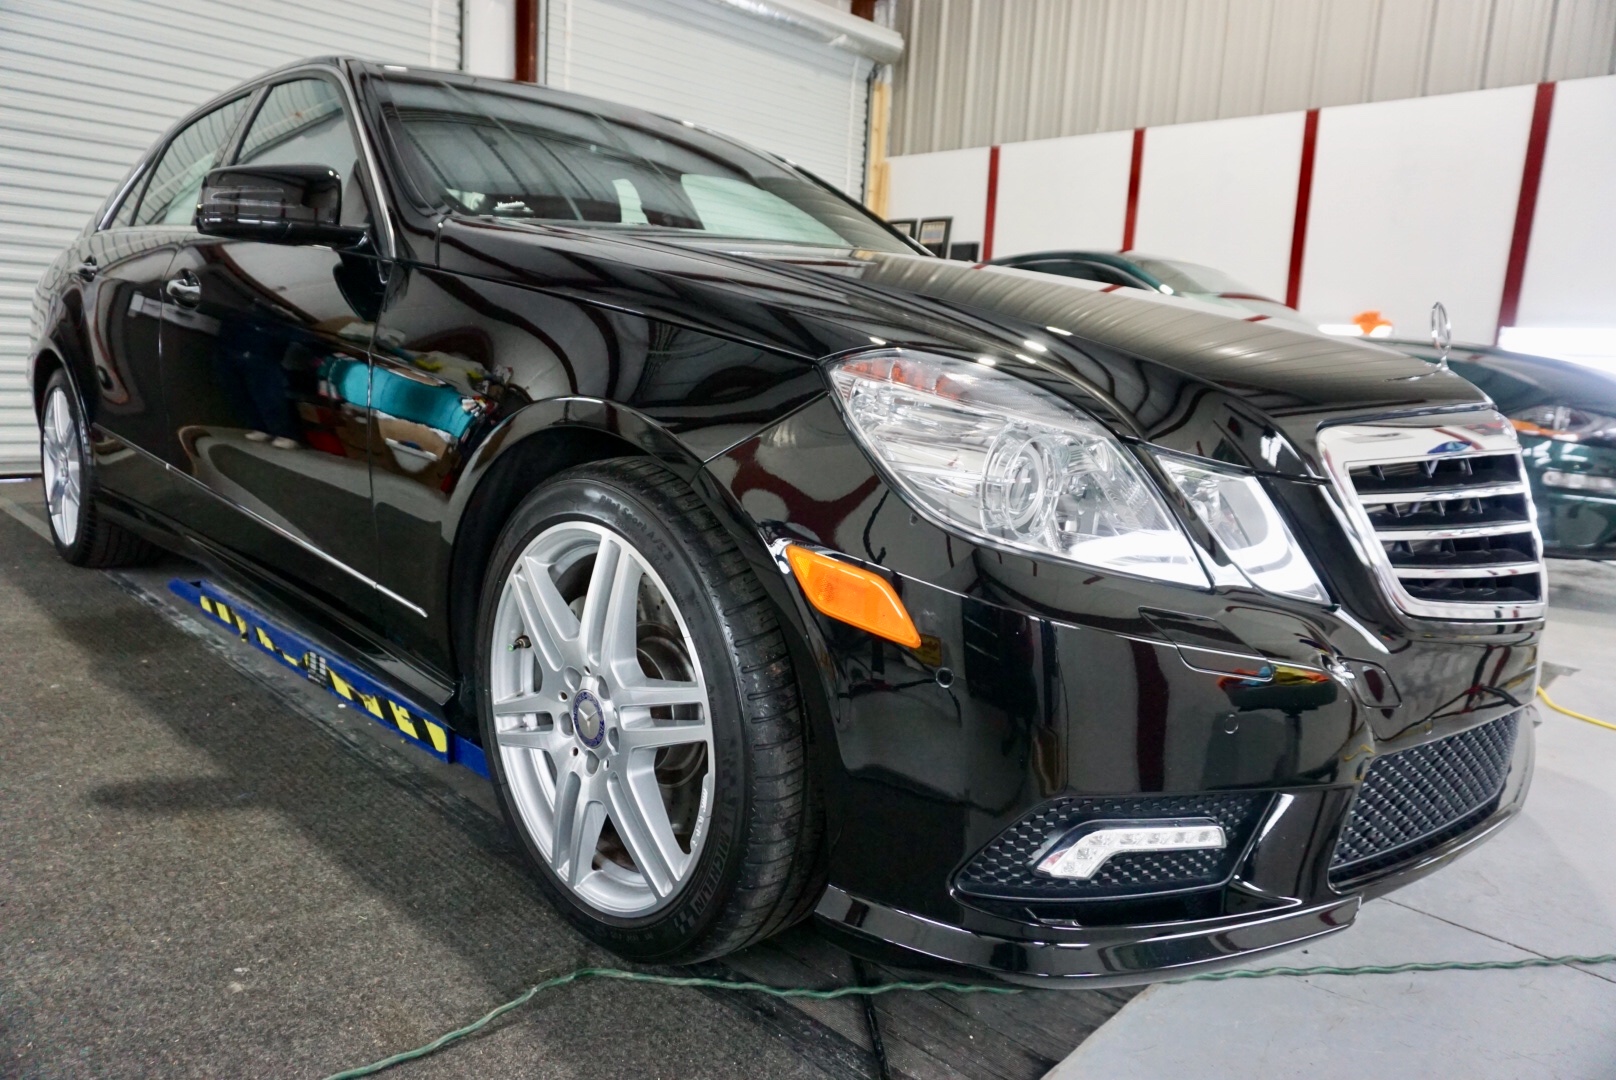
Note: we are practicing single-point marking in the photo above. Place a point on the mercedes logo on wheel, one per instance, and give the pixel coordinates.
(588, 719)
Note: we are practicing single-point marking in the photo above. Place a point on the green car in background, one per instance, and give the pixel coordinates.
(1565, 414)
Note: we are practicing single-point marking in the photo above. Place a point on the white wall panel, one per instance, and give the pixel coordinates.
(1571, 263)
(757, 80)
(1223, 193)
(1414, 202)
(953, 183)
(1062, 193)
(490, 38)
(87, 85)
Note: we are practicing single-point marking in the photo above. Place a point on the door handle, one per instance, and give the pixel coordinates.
(184, 290)
(86, 270)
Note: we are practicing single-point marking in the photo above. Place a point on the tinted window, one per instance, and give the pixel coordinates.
(303, 123)
(1084, 271)
(176, 182)
(553, 158)
(1191, 278)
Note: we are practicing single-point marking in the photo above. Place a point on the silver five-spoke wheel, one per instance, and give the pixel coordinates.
(63, 466)
(602, 719)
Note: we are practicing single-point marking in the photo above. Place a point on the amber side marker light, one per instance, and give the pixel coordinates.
(852, 595)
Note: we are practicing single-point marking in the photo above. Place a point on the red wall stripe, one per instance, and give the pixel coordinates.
(993, 203)
(1304, 201)
(1526, 208)
(527, 41)
(1135, 168)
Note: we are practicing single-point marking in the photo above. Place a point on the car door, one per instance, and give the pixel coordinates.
(266, 375)
(121, 269)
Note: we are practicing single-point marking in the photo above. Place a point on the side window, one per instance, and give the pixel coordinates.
(303, 123)
(1083, 271)
(176, 182)
(1110, 275)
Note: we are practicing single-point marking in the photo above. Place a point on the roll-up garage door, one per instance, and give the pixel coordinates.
(87, 85)
(744, 73)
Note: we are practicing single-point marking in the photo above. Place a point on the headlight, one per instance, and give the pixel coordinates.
(1239, 513)
(1006, 463)
(1566, 423)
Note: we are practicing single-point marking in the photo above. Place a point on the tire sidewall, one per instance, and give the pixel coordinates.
(604, 501)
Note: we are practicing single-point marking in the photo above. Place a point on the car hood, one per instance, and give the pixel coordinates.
(1182, 373)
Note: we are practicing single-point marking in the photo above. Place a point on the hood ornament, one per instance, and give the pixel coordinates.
(1441, 333)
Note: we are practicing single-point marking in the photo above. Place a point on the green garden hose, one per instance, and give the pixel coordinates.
(959, 988)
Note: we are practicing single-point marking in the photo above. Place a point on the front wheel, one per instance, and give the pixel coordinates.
(641, 718)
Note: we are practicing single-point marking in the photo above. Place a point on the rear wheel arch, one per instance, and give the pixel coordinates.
(45, 364)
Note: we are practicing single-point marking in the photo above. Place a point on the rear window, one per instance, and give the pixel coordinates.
(511, 154)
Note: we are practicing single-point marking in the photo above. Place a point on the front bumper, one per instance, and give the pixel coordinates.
(1063, 953)
(1039, 687)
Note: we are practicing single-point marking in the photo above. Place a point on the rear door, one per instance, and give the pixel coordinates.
(121, 270)
(266, 375)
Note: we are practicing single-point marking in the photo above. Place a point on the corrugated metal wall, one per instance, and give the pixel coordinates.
(87, 85)
(978, 72)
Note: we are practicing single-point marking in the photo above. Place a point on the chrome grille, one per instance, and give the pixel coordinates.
(1443, 512)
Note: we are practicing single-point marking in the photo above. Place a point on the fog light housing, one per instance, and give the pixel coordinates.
(1079, 854)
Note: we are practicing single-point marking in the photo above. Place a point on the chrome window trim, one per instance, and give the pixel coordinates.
(389, 247)
(1343, 447)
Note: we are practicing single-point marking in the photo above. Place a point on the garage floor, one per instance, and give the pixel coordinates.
(208, 868)
(1546, 886)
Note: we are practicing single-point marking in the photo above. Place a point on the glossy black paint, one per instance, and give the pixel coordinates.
(411, 390)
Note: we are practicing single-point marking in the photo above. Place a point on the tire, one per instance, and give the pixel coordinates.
(82, 534)
(572, 739)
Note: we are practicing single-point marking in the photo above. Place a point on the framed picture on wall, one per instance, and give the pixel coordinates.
(904, 225)
(934, 234)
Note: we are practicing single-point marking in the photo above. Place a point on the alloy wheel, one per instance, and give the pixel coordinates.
(602, 719)
(63, 466)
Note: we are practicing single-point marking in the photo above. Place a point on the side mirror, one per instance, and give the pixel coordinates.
(276, 204)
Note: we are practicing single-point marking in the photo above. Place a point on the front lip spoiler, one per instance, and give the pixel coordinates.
(1158, 953)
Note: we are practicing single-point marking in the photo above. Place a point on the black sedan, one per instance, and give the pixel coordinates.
(998, 621)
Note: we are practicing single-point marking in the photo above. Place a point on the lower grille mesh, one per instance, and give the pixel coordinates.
(1415, 799)
(1003, 870)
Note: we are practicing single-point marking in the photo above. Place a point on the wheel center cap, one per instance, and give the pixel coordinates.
(588, 719)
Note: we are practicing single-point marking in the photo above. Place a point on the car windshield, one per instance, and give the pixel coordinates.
(1191, 278)
(512, 153)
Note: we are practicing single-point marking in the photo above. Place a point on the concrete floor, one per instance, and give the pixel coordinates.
(210, 868)
(196, 881)
(207, 868)
(1546, 886)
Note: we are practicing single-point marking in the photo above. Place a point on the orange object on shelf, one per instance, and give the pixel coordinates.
(1370, 321)
(852, 595)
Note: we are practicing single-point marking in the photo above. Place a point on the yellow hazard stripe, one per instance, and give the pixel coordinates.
(408, 724)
